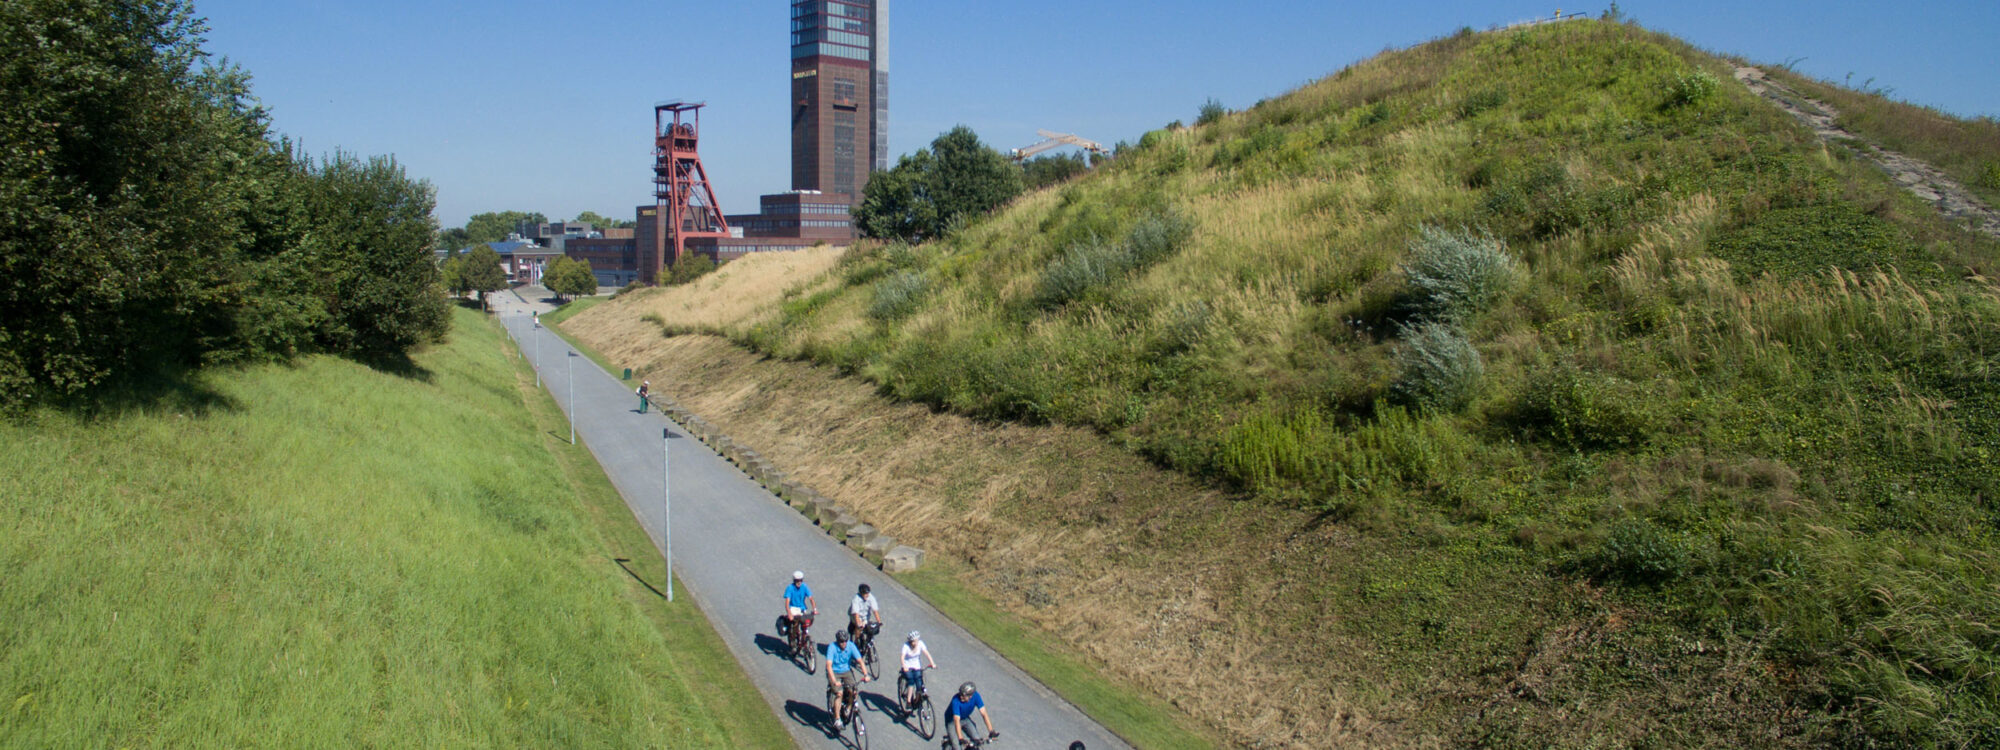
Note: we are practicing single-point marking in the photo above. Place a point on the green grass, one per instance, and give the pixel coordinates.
(1739, 364)
(1143, 722)
(325, 555)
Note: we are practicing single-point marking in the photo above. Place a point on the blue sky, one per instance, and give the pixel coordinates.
(537, 106)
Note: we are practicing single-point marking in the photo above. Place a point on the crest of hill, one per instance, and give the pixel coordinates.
(1567, 294)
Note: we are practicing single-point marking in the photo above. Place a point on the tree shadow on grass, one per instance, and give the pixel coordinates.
(175, 389)
(394, 363)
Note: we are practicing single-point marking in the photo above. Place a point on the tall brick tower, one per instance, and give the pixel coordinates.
(840, 94)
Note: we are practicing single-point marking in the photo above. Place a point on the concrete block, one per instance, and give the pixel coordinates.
(802, 501)
(877, 549)
(842, 521)
(902, 559)
(822, 509)
(859, 536)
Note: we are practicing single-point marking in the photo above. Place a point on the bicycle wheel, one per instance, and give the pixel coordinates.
(860, 730)
(812, 658)
(926, 717)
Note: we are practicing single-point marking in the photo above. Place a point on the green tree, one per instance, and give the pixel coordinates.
(483, 272)
(453, 240)
(956, 180)
(601, 221)
(1043, 171)
(372, 235)
(452, 275)
(569, 277)
(496, 225)
(968, 179)
(130, 182)
(896, 205)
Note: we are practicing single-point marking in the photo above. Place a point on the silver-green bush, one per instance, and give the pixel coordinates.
(1440, 369)
(1455, 274)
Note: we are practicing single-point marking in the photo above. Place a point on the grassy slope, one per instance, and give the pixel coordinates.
(324, 555)
(1748, 384)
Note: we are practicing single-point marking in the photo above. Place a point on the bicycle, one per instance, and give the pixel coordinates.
(851, 718)
(971, 743)
(801, 641)
(917, 711)
(865, 640)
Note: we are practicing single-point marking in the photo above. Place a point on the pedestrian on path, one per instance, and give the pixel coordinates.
(645, 390)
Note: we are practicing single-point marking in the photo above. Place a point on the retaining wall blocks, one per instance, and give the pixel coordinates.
(859, 536)
(902, 559)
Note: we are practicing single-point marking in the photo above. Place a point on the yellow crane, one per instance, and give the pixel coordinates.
(1055, 140)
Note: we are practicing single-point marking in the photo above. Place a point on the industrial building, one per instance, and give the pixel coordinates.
(840, 107)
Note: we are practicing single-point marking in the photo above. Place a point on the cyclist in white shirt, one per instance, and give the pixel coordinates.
(864, 613)
(914, 654)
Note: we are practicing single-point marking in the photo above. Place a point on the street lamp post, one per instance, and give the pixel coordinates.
(537, 333)
(667, 506)
(570, 373)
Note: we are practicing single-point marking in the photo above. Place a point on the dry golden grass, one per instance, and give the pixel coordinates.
(734, 297)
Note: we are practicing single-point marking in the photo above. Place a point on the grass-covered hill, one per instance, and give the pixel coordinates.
(327, 555)
(1564, 299)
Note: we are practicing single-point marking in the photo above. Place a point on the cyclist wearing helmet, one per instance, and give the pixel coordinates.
(915, 653)
(864, 613)
(799, 600)
(958, 714)
(845, 671)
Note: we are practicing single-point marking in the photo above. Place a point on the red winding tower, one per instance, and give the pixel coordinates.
(685, 204)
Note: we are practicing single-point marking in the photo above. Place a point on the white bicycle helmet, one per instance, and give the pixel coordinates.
(798, 575)
(914, 637)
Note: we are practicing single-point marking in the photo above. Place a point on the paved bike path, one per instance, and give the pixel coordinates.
(734, 548)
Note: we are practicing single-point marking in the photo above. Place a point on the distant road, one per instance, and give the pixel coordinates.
(735, 547)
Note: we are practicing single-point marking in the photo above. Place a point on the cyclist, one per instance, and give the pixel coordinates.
(915, 653)
(799, 601)
(958, 714)
(864, 614)
(843, 661)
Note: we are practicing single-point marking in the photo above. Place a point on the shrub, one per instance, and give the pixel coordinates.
(1639, 551)
(1440, 369)
(1092, 263)
(898, 295)
(1083, 267)
(1211, 111)
(691, 267)
(1454, 275)
(1157, 236)
(1481, 101)
(1590, 411)
(1691, 88)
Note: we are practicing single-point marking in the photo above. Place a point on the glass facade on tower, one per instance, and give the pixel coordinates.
(840, 88)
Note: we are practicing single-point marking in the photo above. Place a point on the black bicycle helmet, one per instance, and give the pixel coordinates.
(968, 689)
(840, 636)
(864, 589)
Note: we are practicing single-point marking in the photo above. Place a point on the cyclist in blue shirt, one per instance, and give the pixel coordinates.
(843, 661)
(799, 601)
(958, 714)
